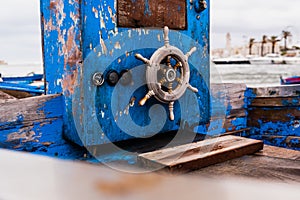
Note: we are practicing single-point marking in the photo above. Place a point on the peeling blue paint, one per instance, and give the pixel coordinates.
(147, 11)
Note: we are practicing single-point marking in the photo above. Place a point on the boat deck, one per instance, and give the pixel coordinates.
(271, 164)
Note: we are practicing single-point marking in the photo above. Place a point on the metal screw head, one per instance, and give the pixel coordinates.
(98, 79)
(171, 75)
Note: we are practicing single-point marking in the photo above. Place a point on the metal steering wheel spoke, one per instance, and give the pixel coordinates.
(142, 58)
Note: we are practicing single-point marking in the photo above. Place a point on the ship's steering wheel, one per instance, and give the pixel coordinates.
(167, 74)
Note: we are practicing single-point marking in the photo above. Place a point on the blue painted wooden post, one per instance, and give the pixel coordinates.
(83, 37)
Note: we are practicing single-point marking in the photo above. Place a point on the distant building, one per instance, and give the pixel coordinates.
(244, 49)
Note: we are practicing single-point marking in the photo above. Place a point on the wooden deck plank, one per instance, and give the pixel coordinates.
(281, 153)
(16, 112)
(271, 164)
(4, 96)
(201, 154)
(278, 91)
(275, 102)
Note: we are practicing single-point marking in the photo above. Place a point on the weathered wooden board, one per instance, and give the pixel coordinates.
(278, 91)
(283, 114)
(36, 125)
(275, 102)
(272, 164)
(240, 132)
(230, 101)
(16, 112)
(274, 115)
(17, 94)
(201, 154)
(4, 96)
(285, 139)
(152, 13)
(281, 153)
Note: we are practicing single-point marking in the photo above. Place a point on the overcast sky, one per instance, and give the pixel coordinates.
(20, 24)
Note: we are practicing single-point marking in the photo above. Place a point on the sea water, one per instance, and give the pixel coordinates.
(251, 75)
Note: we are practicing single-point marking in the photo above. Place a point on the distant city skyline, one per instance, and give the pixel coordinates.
(20, 38)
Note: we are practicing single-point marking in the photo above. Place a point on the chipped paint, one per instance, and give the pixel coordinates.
(117, 45)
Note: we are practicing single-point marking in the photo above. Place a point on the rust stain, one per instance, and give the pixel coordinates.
(52, 5)
(67, 38)
(69, 82)
(71, 51)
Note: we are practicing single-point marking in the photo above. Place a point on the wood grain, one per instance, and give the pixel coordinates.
(201, 154)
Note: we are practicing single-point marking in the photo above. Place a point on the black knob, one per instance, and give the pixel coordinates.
(112, 77)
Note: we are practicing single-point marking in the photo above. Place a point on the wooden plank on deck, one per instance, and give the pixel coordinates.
(4, 96)
(194, 156)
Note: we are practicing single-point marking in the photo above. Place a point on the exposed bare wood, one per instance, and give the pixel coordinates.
(201, 154)
(257, 115)
(260, 166)
(277, 152)
(16, 112)
(237, 133)
(278, 91)
(275, 102)
(5, 96)
(18, 94)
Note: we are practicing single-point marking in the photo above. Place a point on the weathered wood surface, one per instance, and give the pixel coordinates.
(278, 91)
(16, 112)
(4, 96)
(281, 153)
(229, 104)
(274, 115)
(152, 13)
(32, 177)
(17, 94)
(280, 138)
(201, 154)
(35, 125)
(271, 164)
(275, 101)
